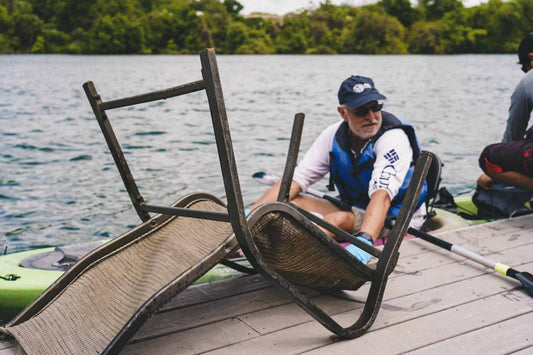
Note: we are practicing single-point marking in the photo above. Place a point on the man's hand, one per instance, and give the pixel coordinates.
(360, 254)
(484, 181)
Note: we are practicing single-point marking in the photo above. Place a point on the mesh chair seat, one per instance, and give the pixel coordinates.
(102, 295)
(301, 258)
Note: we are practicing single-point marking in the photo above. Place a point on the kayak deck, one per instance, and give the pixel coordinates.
(436, 302)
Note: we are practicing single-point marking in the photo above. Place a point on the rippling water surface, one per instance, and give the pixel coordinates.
(58, 183)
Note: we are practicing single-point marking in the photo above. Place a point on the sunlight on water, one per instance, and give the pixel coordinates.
(58, 183)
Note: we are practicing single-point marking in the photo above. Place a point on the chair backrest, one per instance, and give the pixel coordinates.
(210, 82)
(433, 178)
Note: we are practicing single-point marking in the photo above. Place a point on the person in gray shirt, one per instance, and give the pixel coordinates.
(511, 161)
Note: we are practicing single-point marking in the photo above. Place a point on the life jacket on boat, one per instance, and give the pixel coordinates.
(351, 174)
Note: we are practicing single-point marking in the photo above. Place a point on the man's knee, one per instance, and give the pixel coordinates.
(487, 161)
(341, 219)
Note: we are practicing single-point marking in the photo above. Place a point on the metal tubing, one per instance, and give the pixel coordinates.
(292, 157)
(187, 212)
(114, 147)
(152, 96)
(473, 256)
(226, 156)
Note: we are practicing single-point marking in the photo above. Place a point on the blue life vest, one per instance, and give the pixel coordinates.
(351, 174)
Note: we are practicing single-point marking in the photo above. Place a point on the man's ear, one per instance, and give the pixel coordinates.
(530, 56)
(342, 112)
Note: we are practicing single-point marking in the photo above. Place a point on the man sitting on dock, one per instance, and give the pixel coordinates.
(511, 161)
(369, 155)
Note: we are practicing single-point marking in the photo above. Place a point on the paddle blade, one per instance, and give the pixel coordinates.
(265, 178)
(526, 279)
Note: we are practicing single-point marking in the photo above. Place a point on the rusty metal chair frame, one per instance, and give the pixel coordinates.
(212, 86)
(241, 227)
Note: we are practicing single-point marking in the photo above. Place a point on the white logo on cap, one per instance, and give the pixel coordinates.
(359, 88)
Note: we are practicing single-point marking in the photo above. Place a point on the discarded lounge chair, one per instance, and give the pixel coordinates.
(99, 304)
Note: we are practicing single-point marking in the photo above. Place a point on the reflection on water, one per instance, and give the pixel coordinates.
(58, 183)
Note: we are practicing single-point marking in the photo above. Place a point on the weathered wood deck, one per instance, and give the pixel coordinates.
(435, 303)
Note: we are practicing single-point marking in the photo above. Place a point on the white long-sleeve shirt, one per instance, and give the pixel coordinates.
(393, 154)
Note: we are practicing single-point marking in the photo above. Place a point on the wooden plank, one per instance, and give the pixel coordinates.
(393, 311)
(439, 326)
(6, 344)
(197, 340)
(290, 315)
(436, 257)
(190, 296)
(482, 243)
(405, 298)
(212, 291)
(505, 337)
(228, 288)
(203, 293)
(525, 351)
(205, 313)
(481, 239)
(269, 320)
(293, 340)
(401, 337)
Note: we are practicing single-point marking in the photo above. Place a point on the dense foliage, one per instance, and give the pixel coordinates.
(186, 26)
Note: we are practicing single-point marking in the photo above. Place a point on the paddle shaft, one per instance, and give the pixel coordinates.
(457, 249)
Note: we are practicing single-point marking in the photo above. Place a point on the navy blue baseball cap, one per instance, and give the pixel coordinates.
(357, 91)
(526, 47)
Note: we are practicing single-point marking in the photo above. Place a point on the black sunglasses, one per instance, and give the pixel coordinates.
(363, 110)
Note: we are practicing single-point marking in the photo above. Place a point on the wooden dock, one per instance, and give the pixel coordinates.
(435, 303)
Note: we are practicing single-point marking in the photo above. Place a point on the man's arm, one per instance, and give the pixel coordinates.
(519, 113)
(375, 213)
(393, 160)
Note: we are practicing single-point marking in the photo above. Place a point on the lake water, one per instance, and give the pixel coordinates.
(58, 183)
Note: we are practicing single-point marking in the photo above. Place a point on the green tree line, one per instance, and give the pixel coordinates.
(186, 26)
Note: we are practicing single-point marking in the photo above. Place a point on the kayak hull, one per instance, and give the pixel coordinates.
(25, 284)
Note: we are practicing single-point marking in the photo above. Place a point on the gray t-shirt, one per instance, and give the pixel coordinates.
(520, 110)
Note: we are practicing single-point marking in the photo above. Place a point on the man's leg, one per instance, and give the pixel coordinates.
(344, 220)
(509, 162)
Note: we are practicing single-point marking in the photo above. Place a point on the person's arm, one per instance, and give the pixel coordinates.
(375, 213)
(519, 114)
(484, 181)
(393, 160)
(514, 178)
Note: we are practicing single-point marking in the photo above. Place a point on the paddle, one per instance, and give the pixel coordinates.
(525, 278)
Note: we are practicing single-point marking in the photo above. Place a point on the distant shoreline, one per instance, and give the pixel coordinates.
(186, 27)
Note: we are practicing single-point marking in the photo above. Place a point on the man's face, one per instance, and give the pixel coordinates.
(363, 125)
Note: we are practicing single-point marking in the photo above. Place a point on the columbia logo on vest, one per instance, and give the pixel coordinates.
(392, 156)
